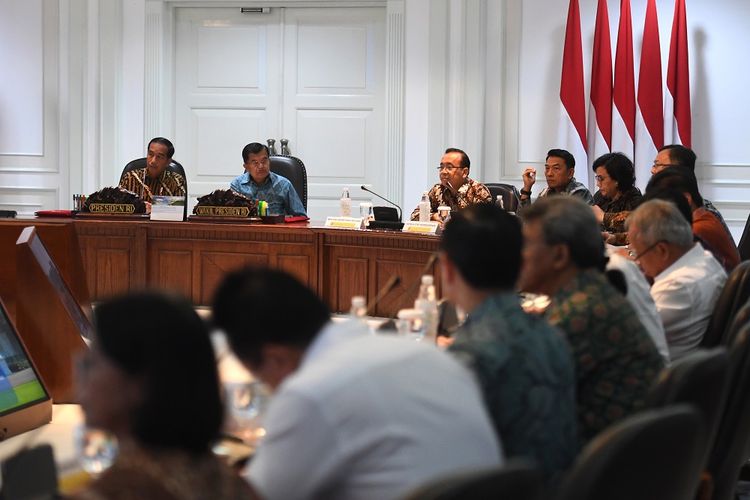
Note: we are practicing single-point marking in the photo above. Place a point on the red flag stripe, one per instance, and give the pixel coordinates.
(572, 92)
(649, 81)
(601, 74)
(678, 73)
(624, 88)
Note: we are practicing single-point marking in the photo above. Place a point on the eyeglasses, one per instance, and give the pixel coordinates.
(666, 165)
(638, 256)
(449, 168)
(600, 178)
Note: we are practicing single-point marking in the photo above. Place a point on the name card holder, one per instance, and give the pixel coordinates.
(421, 227)
(344, 222)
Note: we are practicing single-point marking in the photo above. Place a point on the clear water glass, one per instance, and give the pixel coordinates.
(246, 405)
(96, 449)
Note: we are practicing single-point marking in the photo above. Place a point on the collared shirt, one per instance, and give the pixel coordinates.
(711, 208)
(616, 360)
(371, 417)
(685, 294)
(281, 196)
(573, 188)
(471, 192)
(526, 371)
(167, 184)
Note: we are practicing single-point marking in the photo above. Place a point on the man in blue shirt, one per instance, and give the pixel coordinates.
(259, 183)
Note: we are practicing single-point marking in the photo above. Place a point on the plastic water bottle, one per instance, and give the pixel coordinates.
(359, 308)
(424, 208)
(499, 201)
(346, 203)
(427, 303)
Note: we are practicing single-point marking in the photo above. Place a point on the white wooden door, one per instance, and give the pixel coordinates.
(314, 76)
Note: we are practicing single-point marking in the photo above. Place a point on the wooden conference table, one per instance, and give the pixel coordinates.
(192, 257)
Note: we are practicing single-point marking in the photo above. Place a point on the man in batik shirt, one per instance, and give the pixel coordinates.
(559, 171)
(456, 189)
(154, 179)
(616, 359)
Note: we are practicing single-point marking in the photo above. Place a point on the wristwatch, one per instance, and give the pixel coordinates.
(527, 193)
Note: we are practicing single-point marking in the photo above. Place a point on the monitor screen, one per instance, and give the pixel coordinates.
(20, 385)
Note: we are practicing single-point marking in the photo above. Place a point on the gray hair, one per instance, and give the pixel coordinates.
(569, 221)
(661, 220)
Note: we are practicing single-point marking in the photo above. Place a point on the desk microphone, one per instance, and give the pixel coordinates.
(392, 282)
(365, 188)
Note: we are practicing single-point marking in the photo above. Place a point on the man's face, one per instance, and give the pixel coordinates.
(257, 166)
(557, 173)
(451, 173)
(537, 260)
(661, 162)
(156, 159)
(650, 257)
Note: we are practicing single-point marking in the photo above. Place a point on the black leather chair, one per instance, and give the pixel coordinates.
(744, 246)
(730, 446)
(735, 293)
(174, 166)
(509, 192)
(293, 169)
(652, 455)
(516, 481)
(700, 379)
(741, 318)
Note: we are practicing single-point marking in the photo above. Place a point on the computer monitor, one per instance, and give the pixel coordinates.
(24, 401)
(51, 322)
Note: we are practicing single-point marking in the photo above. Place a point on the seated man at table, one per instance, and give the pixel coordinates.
(155, 179)
(259, 183)
(513, 354)
(354, 415)
(616, 359)
(559, 171)
(687, 278)
(456, 189)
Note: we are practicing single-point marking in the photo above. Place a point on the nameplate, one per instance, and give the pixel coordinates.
(421, 227)
(167, 208)
(344, 222)
(111, 208)
(213, 211)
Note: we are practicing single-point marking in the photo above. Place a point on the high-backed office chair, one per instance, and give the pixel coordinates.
(293, 169)
(651, 455)
(174, 166)
(509, 192)
(735, 293)
(516, 480)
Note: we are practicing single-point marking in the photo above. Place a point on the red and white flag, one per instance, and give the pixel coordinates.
(572, 132)
(623, 115)
(600, 109)
(649, 126)
(677, 121)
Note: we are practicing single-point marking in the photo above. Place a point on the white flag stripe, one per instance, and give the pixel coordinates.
(621, 140)
(569, 140)
(645, 151)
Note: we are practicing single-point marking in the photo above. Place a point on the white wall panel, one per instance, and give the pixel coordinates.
(345, 64)
(345, 131)
(224, 54)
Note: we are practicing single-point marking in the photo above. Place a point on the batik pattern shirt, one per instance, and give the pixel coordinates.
(616, 360)
(526, 372)
(167, 184)
(573, 188)
(277, 190)
(617, 211)
(471, 192)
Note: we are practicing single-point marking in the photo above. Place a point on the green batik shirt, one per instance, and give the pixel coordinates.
(526, 373)
(616, 360)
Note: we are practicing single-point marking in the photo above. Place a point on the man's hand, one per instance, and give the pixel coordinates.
(529, 178)
(598, 213)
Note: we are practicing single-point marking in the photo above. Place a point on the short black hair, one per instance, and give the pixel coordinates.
(484, 242)
(164, 142)
(253, 148)
(619, 167)
(675, 196)
(465, 162)
(680, 156)
(681, 179)
(259, 306)
(160, 340)
(569, 159)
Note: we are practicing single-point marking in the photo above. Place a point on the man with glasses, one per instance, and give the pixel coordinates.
(259, 183)
(687, 278)
(456, 189)
(559, 170)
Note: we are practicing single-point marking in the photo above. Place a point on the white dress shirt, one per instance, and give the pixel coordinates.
(685, 294)
(371, 417)
(640, 298)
